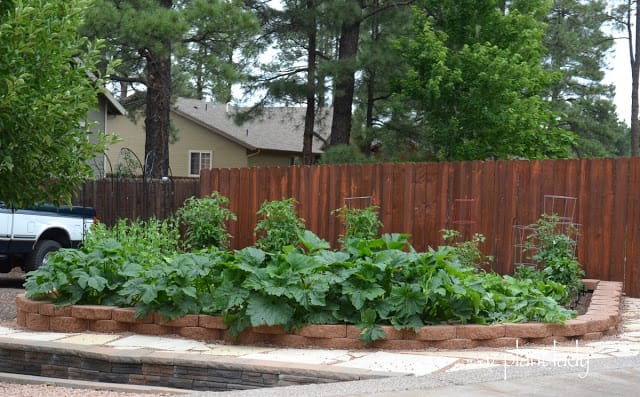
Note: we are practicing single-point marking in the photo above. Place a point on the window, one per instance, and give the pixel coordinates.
(199, 160)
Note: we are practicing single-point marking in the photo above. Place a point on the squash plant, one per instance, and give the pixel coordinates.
(370, 282)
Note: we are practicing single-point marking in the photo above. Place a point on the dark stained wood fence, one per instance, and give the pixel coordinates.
(483, 197)
(135, 198)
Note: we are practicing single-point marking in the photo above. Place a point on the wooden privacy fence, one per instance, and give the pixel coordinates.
(135, 198)
(472, 197)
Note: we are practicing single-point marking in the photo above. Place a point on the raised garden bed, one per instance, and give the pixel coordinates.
(601, 318)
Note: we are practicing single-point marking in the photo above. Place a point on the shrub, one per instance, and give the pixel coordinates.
(468, 252)
(144, 241)
(279, 225)
(552, 248)
(343, 154)
(97, 272)
(359, 223)
(555, 252)
(205, 221)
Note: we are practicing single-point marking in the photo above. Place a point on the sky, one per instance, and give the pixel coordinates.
(620, 75)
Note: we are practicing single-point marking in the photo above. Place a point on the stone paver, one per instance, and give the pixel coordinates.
(477, 356)
(232, 350)
(7, 331)
(89, 339)
(555, 356)
(39, 336)
(400, 363)
(302, 356)
(158, 343)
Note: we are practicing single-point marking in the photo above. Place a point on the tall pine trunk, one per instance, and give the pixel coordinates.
(634, 49)
(158, 102)
(310, 116)
(345, 80)
(157, 121)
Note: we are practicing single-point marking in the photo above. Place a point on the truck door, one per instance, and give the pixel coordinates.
(5, 226)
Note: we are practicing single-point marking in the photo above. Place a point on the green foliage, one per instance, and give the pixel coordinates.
(371, 282)
(359, 223)
(343, 154)
(175, 286)
(205, 221)
(140, 241)
(577, 41)
(279, 225)
(473, 89)
(468, 252)
(46, 96)
(555, 245)
(97, 272)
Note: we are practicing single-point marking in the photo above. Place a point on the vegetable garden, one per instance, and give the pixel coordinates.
(291, 277)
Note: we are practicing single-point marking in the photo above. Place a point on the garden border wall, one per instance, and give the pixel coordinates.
(161, 369)
(602, 318)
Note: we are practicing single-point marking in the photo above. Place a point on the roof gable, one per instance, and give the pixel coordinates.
(279, 128)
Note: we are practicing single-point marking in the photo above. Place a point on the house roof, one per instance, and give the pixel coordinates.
(278, 128)
(113, 106)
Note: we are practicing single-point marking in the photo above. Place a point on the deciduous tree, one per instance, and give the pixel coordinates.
(474, 86)
(46, 93)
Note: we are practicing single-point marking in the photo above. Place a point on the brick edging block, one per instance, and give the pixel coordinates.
(602, 318)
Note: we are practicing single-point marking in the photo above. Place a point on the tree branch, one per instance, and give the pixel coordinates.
(126, 79)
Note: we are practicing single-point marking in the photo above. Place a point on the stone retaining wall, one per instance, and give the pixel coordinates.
(602, 318)
(162, 369)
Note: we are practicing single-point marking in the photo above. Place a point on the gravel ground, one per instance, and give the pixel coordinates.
(22, 390)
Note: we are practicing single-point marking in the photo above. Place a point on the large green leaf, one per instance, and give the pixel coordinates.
(249, 258)
(407, 300)
(313, 243)
(302, 264)
(360, 295)
(268, 311)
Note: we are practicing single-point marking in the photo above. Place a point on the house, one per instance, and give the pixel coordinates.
(107, 108)
(208, 137)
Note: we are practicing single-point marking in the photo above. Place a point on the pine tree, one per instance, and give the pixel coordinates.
(627, 18)
(576, 47)
(148, 36)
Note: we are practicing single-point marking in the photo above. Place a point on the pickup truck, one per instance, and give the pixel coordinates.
(29, 235)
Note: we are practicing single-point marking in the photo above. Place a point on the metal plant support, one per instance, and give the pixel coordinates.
(358, 202)
(561, 210)
(462, 216)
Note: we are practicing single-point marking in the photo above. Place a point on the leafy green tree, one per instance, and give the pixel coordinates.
(576, 49)
(148, 36)
(46, 95)
(474, 84)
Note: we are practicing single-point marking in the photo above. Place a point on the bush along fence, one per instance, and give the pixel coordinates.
(421, 199)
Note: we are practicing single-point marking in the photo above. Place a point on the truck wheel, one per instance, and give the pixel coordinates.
(40, 253)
